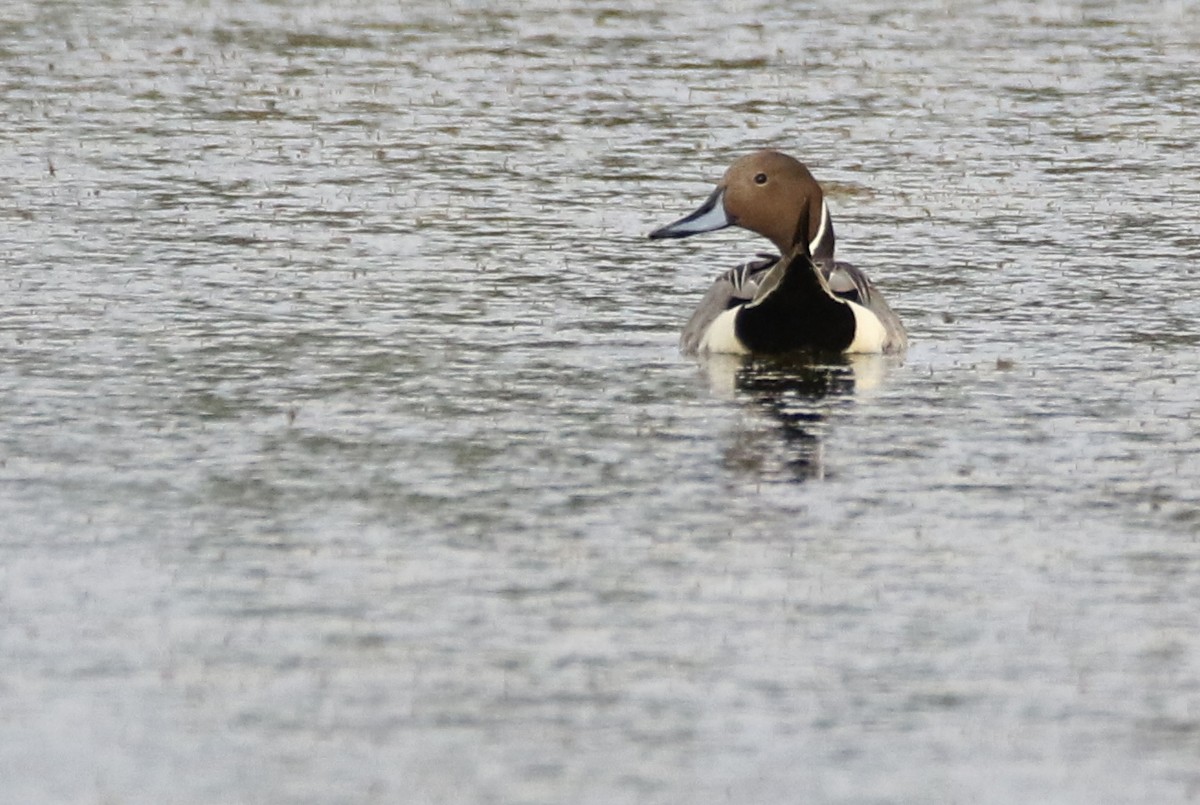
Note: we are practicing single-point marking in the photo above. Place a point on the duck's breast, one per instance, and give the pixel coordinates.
(721, 335)
(869, 333)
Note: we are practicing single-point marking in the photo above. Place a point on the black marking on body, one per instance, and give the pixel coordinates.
(799, 314)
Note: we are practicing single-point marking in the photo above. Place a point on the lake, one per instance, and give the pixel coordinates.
(349, 455)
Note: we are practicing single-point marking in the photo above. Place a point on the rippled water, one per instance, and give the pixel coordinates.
(348, 455)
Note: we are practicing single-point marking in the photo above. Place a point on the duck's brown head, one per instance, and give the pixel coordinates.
(765, 192)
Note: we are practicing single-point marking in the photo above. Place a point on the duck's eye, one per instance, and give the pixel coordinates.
(760, 178)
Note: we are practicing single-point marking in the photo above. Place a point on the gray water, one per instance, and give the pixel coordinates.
(347, 454)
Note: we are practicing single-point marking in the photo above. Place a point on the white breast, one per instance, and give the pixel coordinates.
(869, 332)
(720, 336)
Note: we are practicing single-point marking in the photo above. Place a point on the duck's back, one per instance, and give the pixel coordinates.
(732, 288)
(851, 284)
(741, 284)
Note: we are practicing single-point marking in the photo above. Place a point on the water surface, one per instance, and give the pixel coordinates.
(348, 455)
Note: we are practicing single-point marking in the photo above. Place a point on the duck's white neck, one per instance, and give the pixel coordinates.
(821, 246)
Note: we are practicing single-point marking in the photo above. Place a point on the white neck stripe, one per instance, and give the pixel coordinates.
(816, 241)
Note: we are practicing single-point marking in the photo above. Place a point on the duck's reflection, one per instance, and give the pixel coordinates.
(798, 396)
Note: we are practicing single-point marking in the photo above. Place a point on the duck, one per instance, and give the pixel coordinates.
(800, 299)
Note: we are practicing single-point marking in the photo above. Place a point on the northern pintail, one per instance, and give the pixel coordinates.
(800, 299)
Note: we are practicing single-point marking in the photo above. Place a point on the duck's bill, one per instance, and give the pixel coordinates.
(710, 217)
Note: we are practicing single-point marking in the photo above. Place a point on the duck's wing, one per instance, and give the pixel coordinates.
(734, 287)
(851, 284)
